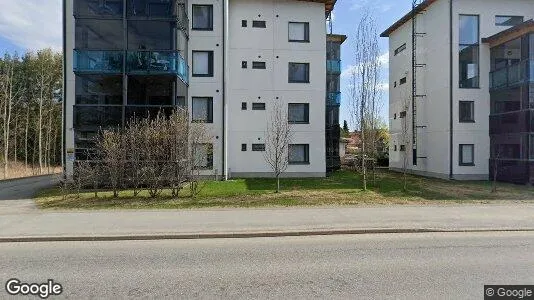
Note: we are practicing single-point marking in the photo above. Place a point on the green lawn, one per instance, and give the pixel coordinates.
(342, 188)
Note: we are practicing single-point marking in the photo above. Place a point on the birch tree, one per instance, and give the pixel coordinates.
(277, 139)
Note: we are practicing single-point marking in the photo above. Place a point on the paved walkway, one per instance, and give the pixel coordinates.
(36, 223)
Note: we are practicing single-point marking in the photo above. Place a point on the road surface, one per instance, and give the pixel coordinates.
(384, 266)
(25, 188)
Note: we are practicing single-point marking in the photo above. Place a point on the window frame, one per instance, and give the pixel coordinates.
(255, 106)
(254, 147)
(243, 147)
(209, 117)
(210, 63)
(472, 107)
(400, 49)
(477, 45)
(259, 65)
(461, 155)
(244, 106)
(307, 111)
(259, 24)
(193, 17)
(306, 32)
(508, 16)
(306, 80)
(306, 160)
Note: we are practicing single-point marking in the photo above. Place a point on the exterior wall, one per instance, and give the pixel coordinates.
(434, 82)
(69, 89)
(271, 46)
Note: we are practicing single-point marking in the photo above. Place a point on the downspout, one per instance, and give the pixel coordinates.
(451, 104)
(224, 83)
(64, 112)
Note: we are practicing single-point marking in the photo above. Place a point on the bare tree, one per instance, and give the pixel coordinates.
(364, 89)
(201, 156)
(277, 138)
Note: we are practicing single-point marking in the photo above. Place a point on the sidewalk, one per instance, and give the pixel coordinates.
(34, 225)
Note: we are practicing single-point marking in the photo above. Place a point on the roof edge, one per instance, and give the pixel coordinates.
(407, 17)
(509, 34)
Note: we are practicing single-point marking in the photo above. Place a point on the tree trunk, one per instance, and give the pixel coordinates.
(15, 139)
(26, 138)
(7, 114)
(40, 128)
(278, 183)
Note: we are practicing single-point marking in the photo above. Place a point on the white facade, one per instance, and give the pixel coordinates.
(434, 81)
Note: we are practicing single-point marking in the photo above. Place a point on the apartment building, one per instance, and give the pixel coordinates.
(226, 61)
(461, 92)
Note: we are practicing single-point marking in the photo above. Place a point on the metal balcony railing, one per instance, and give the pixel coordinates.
(333, 98)
(157, 62)
(333, 67)
(512, 75)
(92, 61)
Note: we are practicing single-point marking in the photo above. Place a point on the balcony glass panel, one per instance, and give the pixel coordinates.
(98, 61)
(99, 89)
(89, 8)
(333, 66)
(334, 98)
(150, 35)
(157, 62)
(514, 122)
(152, 8)
(94, 117)
(511, 75)
(98, 34)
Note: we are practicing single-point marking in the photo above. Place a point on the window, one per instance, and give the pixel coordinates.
(202, 63)
(402, 81)
(508, 20)
(402, 147)
(299, 113)
(99, 34)
(203, 156)
(243, 23)
(395, 116)
(402, 114)
(299, 32)
(149, 8)
(202, 109)
(469, 51)
(243, 105)
(259, 24)
(149, 35)
(299, 154)
(400, 49)
(258, 65)
(243, 147)
(395, 148)
(202, 17)
(97, 89)
(98, 8)
(258, 106)
(467, 155)
(467, 111)
(299, 72)
(258, 147)
(395, 84)
(243, 64)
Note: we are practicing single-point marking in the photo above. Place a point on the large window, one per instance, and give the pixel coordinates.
(298, 113)
(299, 154)
(467, 155)
(202, 110)
(508, 20)
(469, 52)
(99, 34)
(299, 72)
(150, 35)
(150, 90)
(203, 156)
(202, 63)
(467, 111)
(150, 8)
(299, 32)
(202, 17)
(98, 8)
(97, 89)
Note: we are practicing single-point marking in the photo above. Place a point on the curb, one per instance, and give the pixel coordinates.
(235, 235)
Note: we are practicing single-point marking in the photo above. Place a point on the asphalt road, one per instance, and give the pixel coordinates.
(25, 188)
(401, 266)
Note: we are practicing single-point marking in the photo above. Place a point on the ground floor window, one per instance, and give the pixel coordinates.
(299, 154)
(203, 156)
(467, 155)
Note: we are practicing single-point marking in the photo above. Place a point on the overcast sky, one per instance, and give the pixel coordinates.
(36, 24)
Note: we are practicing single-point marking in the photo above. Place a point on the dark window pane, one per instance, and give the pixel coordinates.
(531, 147)
(469, 67)
(258, 147)
(243, 147)
(508, 20)
(299, 32)
(99, 34)
(150, 90)
(258, 106)
(244, 105)
(243, 23)
(96, 89)
(469, 30)
(467, 155)
(202, 17)
(299, 72)
(95, 117)
(402, 80)
(467, 111)
(150, 35)
(298, 112)
(112, 8)
(150, 8)
(258, 65)
(400, 49)
(259, 24)
(299, 154)
(202, 110)
(203, 63)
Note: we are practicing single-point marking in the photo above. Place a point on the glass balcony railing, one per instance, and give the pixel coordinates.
(157, 62)
(334, 98)
(333, 67)
(512, 75)
(98, 61)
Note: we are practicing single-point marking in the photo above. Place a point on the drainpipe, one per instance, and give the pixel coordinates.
(451, 100)
(64, 112)
(224, 89)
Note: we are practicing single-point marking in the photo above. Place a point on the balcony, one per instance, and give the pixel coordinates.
(333, 67)
(98, 8)
(512, 75)
(91, 61)
(333, 98)
(512, 122)
(157, 63)
(159, 9)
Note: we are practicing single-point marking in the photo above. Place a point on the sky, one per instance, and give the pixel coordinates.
(27, 25)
